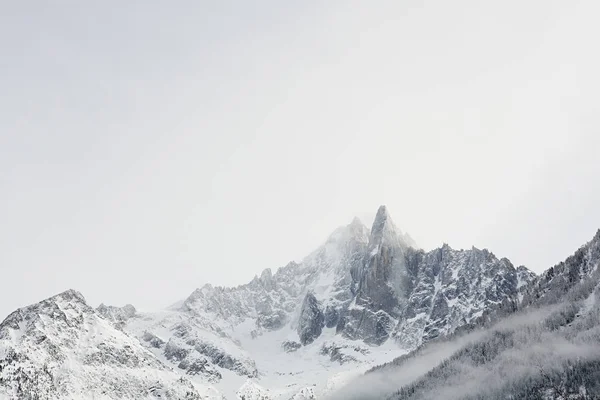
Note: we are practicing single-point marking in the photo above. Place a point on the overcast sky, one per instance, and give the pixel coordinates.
(150, 147)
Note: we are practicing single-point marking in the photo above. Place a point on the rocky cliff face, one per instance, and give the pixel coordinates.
(381, 284)
(548, 349)
(311, 321)
(453, 288)
(273, 301)
(118, 315)
(579, 271)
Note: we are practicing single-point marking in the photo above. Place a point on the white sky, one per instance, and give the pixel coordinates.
(149, 147)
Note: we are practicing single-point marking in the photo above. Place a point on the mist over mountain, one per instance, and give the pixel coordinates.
(366, 315)
(549, 348)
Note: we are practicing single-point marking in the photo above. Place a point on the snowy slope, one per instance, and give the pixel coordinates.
(237, 361)
(311, 325)
(61, 349)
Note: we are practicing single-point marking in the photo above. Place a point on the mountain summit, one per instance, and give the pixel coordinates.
(384, 230)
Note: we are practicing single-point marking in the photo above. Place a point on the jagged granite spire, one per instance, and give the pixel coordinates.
(384, 230)
(381, 283)
(367, 283)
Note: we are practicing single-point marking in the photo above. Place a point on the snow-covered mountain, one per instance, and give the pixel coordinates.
(61, 348)
(363, 298)
(369, 285)
(547, 349)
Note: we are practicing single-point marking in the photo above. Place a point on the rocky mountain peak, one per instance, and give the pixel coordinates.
(384, 231)
(68, 306)
(358, 229)
(382, 223)
(70, 298)
(355, 231)
(266, 275)
(597, 236)
(70, 294)
(266, 279)
(356, 222)
(117, 315)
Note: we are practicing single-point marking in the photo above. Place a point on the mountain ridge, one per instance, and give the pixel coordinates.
(362, 297)
(549, 348)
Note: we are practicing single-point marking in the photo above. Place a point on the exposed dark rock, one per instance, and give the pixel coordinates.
(153, 340)
(273, 321)
(552, 285)
(290, 346)
(200, 366)
(336, 353)
(332, 316)
(311, 321)
(117, 315)
(175, 353)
